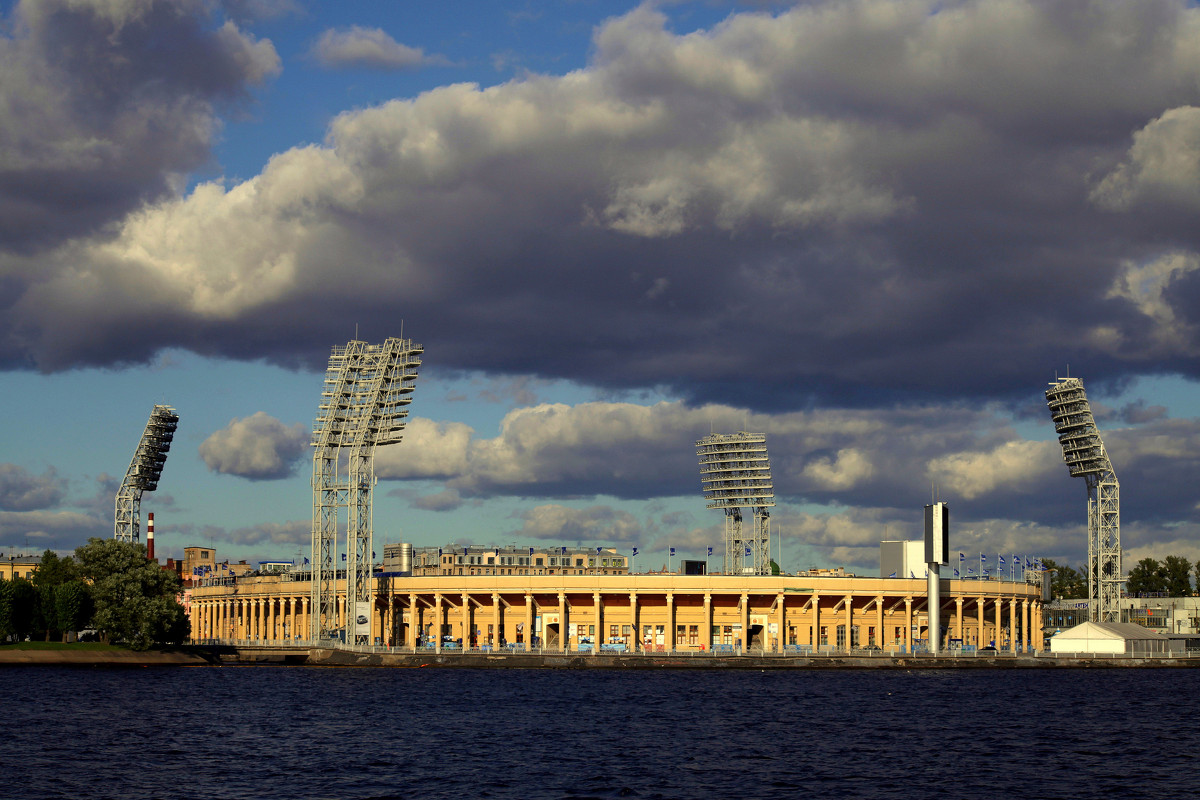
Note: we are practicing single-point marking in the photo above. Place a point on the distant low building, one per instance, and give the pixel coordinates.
(12, 566)
(488, 560)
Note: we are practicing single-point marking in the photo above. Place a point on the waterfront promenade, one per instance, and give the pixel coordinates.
(314, 654)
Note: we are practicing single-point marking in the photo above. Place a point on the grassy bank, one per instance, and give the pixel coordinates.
(74, 647)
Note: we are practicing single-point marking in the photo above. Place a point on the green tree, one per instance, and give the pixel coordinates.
(1066, 582)
(1176, 570)
(1148, 577)
(6, 624)
(72, 606)
(54, 571)
(134, 598)
(24, 610)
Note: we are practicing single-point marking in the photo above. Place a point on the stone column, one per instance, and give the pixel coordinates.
(879, 638)
(671, 643)
(1025, 642)
(599, 637)
(780, 626)
(958, 625)
(745, 622)
(497, 631)
(815, 636)
(414, 621)
(1035, 622)
(979, 641)
(562, 623)
(1013, 621)
(633, 621)
(467, 627)
(529, 623)
(908, 638)
(849, 622)
(437, 623)
(999, 627)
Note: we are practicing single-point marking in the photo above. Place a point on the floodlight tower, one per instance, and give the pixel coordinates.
(735, 474)
(144, 472)
(364, 405)
(1085, 456)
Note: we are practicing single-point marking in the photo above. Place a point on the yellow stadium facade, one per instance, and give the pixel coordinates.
(637, 613)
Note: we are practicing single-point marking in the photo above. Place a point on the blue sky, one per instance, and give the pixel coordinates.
(873, 230)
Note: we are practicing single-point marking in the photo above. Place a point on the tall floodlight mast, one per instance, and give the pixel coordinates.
(364, 405)
(1084, 453)
(735, 474)
(144, 472)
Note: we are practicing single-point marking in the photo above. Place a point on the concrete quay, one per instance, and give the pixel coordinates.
(377, 657)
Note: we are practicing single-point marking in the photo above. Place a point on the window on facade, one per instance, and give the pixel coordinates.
(538, 562)
(579, 562)
(693, 635)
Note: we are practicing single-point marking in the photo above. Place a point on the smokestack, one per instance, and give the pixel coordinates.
(150, 537)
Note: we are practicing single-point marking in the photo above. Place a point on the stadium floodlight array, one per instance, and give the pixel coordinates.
(1085, 456)
(144, 472)
(364, 405)
(735, 474)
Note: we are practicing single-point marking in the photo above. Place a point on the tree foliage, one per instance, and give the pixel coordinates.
(1066, 582)
(1147, 577)
(1170, 577)
(1179, 582)
(73, 606)
(134, 598)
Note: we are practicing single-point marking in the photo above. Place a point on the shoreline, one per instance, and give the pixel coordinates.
(195, 656)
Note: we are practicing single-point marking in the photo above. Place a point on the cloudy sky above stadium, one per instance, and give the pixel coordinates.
(873, 230)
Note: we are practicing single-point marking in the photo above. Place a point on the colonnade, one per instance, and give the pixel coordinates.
(255, 617)
(640, 613)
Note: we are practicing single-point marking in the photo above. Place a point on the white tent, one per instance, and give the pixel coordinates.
(1112, 638)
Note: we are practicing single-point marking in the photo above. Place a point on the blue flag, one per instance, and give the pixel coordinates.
(1001, 560)
(564, 551)
(635, 551)
(597, 551)
(747, 551)
(892, 575)
(956, 572)
(343, 556)
(982, 557)
(961, 557)
(910, 574)
(306, 561)
(672, 551)
(710, 551)
(531, 551)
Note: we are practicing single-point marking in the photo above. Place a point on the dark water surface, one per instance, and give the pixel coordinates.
(296, 732)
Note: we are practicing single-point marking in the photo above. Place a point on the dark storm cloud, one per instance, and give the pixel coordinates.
(886, 460)
(21, 491)
(105, 103)
(855, 201)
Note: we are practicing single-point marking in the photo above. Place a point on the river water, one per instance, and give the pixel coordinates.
(305, 732)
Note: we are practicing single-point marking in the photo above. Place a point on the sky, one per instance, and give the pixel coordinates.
(874, 231)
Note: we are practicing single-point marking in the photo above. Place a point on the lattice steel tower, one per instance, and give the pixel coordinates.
(144, 472)
(368, 388)
(1084, 453)
(735, 474)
